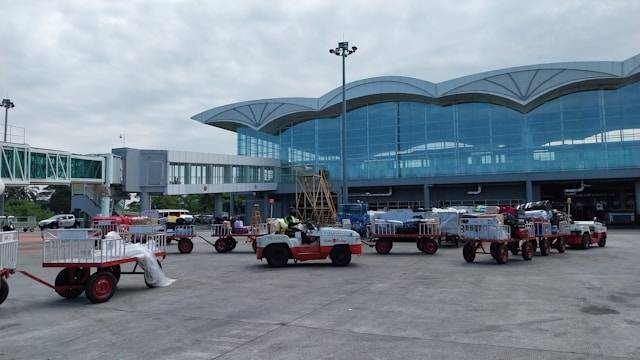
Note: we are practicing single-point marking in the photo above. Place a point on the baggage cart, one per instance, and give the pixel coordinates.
(498, 238)
(225, 236)
(383, 235)
(78, 251)
(8, 260)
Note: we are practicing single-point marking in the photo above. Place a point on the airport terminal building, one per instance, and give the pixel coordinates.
(540, 132)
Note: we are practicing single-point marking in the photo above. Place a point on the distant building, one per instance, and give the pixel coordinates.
(505, 136)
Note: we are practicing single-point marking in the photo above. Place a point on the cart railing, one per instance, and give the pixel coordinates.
(487, 232)
(181, 231)
(260, 229)
(8, 249)
(424, 229)
(429, 228)
(220, 230)
(542, 228)
(531, 231)
(106, 228)
(78, 246)
(25, 222)
(152, 236)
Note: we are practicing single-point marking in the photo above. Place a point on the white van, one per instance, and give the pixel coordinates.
(182, 215)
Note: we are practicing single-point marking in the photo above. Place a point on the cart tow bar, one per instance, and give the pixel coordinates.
(35, 278)
(205, 240)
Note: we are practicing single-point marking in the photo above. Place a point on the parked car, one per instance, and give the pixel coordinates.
(58, 221)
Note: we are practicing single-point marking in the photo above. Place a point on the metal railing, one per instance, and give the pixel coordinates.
(181, 231)
(488, 232)
(8, 249)
(424, 229)
(78, 246)
(542, 228)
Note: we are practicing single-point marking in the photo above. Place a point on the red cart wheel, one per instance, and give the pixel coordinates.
(115, 270)
(101, 287)
(527, 250)
(419, 245)
(603, 241)
(383, 246)
(67, 277)
(429, 246)
(220, 245)
(185, 245)
(230, 243)
(4, 289)
(544, 247)
(502, 254)
(562, 245)
(469, 251)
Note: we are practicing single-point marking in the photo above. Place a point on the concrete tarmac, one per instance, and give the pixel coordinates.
(583, 304)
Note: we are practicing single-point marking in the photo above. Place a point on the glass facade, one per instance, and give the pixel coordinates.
(587, 130)
(181, 173)
(85, 169)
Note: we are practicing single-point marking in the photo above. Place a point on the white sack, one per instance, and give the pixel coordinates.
(153, 273)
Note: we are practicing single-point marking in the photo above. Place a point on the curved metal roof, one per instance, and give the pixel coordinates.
(521, 88)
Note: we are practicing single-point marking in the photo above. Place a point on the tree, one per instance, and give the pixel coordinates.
(60, 201)
(22, 193)
(27, 208)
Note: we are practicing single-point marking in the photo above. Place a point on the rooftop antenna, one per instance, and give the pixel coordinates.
(124, 142)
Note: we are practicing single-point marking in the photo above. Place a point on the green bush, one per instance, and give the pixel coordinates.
(27, 208)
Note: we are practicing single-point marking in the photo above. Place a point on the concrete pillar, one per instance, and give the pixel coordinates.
(427, 196)
(528, 191)
(217, 205)
(637, 188)
(265, 206)
(105, 203)
(145, 201)
(232, 205)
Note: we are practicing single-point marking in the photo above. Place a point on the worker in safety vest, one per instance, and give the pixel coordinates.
(291, 220)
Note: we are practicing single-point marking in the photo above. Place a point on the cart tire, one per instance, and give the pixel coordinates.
(383, 246)
(419, 245)
(502, 254)
(603, 241)
(429, 246)
(101, 287)
(527, 250)
(469, 251)
(534, 243)
(513, 247)
(340, 255)
(544, 247)
(231, 243)
(185, 245)
(67, 277)
(254, 245)
(586, 241)
(4, 290)
(116, 271)
(277, 256)
(493, 250)
(562, 245)
(220, 245)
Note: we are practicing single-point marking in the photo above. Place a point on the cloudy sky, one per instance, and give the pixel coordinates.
(83, 72)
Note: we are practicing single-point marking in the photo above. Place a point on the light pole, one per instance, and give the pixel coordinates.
(6, 104)
(343, 51)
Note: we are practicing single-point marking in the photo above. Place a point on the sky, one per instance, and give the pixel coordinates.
(81, 73)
